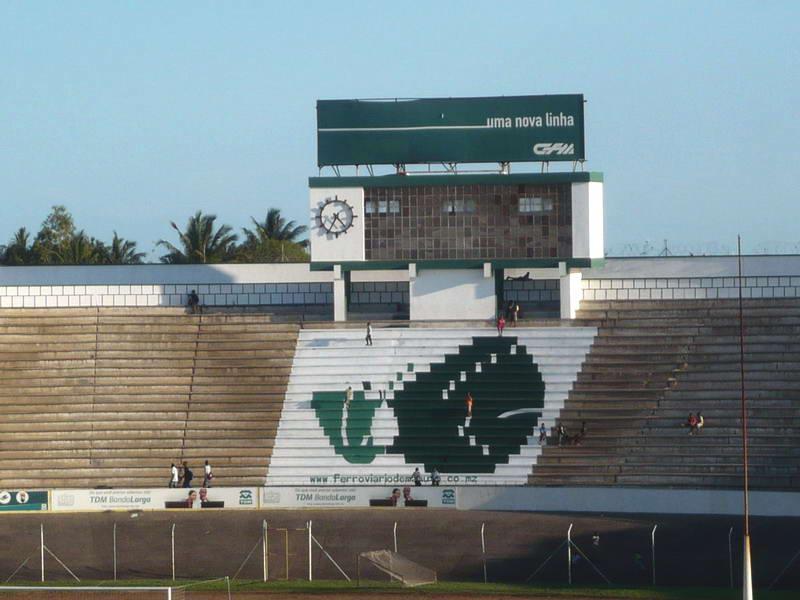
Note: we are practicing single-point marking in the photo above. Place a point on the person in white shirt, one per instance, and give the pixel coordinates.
(369, 334)
(208, 475)
(173, 479)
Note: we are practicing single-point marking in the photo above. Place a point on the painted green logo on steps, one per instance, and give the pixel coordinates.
(349, 430)
(434, 430)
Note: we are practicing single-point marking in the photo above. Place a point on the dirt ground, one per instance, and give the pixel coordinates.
(690, 551)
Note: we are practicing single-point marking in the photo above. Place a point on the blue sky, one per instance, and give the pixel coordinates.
(133, 114)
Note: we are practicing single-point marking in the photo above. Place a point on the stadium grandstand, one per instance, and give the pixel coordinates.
(463, 325)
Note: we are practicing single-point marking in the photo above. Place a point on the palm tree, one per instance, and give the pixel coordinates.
(80, 249)
(200, 243)
(18, 252)
(123, 252)
(275, 227)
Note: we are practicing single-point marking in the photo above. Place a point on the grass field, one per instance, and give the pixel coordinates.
(343, 589)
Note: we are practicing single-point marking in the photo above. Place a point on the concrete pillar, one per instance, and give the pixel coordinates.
(571, 292)
(339, 294)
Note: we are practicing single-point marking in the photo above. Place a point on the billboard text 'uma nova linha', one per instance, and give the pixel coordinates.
(458, 130)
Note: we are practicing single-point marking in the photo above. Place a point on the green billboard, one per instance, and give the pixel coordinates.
(21, 500)
(450, 130)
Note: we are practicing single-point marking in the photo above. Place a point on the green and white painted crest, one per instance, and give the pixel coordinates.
(408, 408)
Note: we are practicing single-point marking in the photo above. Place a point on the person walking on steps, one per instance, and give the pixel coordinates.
(187, 476)
(469, 402)
(501, 324)
(435, 477)
(417, 477)
(369, 334)
(348, 396)
(207, 475)
(173, 477)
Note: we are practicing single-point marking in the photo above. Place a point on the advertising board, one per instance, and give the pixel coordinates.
(19, 500)
(152, 499)
(354, 497)
(454, 130)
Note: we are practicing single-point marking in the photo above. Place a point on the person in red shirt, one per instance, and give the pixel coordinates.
(501, 324)
(469, 401)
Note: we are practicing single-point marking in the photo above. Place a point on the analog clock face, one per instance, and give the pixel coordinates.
(335, 216)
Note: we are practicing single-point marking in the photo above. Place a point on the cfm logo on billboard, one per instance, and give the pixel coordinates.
(560, 148)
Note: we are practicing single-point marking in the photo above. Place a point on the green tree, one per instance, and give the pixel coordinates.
(123, 252)
(55, 236)
(200, 242)
(271, 251)
(18, 251)
(80, 250)
(275, 227)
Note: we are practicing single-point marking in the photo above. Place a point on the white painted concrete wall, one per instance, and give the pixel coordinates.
(348, 246)
(571, 294)
(587, 220)
(163, 285)
(628, 500)
(451, 294)
(695, 277)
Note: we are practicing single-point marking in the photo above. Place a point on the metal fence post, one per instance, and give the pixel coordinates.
(730, 556)
(394, 535)
(41, 545)
(309, 551)
(265, 549)
(173, 551)
(483, 551)
(653, 550)
(115, 550)
(569, 554)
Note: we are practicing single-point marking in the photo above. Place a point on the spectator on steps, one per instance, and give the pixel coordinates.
(542, 434)
(207, 475)
(700, 422)
(691, 423)
(469, 402)
(501, 324)
(416, 476)
(173, 477)
(576, 441)
(187, 476)
(435, 477)
(348, 396)
(562, 434)
(369, 334)
(193, 303)
(514, 314)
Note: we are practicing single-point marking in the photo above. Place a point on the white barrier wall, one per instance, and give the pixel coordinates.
(352, 497)
(689, 278)
(163, 285)
(437, 294)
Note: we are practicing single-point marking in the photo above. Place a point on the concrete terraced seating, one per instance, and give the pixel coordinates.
(408, 407)
(111, 397)
(656, 361)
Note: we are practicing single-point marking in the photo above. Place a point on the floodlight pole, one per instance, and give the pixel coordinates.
(747, 575)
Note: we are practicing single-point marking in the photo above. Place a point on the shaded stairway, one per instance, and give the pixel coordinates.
(113, 396)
